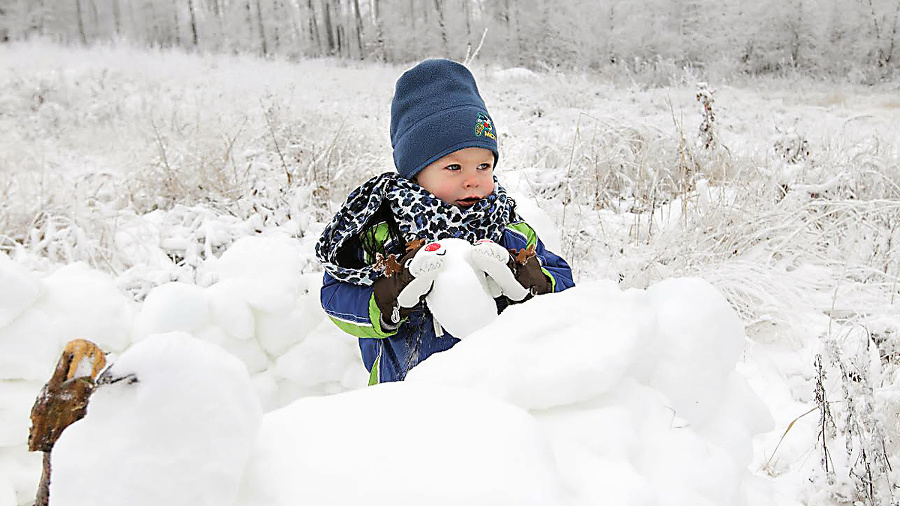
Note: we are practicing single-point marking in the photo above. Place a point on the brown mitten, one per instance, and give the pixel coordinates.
(527, 269)
(406, 281)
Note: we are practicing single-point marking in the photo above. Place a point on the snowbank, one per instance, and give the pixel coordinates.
(637, 390)
(172, 422)
(589, 396)
(261, 310)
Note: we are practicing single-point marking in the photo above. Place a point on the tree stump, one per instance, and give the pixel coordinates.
(63, 401)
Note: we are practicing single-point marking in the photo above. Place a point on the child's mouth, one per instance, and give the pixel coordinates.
(468, 201)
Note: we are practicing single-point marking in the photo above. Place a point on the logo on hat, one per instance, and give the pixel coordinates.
(484, 126)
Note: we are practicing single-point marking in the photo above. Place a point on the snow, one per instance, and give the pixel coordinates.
(20, 289)
(88, 304)
(18, 397)
(175, 426)
(170, 307)
(641, 386)
(403, 444)
(524, 411)
(7, 492)
(643, 378)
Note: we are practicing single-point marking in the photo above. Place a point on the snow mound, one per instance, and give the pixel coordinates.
(174, 419)
(265, 312)
(637, 389)
(85, 303)
(403, 444)
(172, 422)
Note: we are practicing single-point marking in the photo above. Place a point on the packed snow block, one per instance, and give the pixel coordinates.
(266, 386)
(229, 309)
(247, 350)
(16, 399)
(322, 357)
(85, 303)
(554, 350)
(172, 307)
(326, 362)
(29, 346)
(699, 340)
(601, 480)
(639, 377)
(278, 332)
(20, 289)
(174, 424)
(490, 454)
(711, 478)
(267, 267)
(740, 416)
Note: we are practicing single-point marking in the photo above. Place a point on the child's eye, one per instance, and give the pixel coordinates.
(453, 167)
(484, 166)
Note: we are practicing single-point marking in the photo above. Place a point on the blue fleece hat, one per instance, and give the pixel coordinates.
(437, 110)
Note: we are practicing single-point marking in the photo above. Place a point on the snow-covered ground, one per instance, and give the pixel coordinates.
(156, 192)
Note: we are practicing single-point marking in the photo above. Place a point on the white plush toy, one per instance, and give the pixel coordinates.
(464, 281)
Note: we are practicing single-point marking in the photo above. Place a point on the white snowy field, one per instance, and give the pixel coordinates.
(148, 192)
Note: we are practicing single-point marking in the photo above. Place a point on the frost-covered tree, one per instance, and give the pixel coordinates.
(831, 37)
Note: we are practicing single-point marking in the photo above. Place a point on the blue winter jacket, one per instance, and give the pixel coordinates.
(389, 355)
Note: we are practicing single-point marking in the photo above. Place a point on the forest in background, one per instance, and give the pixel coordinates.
(856, 40)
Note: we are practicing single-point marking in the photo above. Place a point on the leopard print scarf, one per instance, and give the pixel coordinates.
(419, 215)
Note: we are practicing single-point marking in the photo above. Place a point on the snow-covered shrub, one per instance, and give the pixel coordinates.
(852, 442)
(791, 146)
(707, 129)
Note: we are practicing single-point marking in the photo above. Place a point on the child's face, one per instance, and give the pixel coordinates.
(461, 178)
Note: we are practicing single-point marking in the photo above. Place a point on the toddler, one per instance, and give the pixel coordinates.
(445, 152)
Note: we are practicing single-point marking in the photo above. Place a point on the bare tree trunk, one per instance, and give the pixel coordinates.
(95, 16)
(117, 17)
(80, 15)
(329, 29)
(440, 20)
(249, 25)
(192, 10)
(177, 23)
(314, 27)
(359, 28)
(379, 31)
(39, 21)
(467, 13)
(412, 18)
(277, 15)
(262, 28)
(132, 28)
(890, 52)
